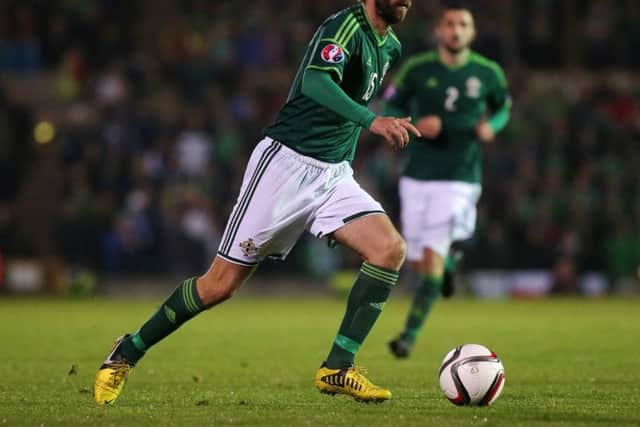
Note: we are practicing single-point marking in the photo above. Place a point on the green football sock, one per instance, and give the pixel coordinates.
(183, 304)
(425, 295)
(366, 300)
(450, 264)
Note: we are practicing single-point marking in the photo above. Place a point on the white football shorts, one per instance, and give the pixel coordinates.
(435, 214)
(284, 193)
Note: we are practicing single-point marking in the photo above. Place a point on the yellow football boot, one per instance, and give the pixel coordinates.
(350, 381)
(111, 376)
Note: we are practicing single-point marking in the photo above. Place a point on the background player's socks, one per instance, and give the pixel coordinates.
(425, 295)
(183, 304)
(451, 264)
(366, 300)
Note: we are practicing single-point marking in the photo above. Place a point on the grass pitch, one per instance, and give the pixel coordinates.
(252, 361)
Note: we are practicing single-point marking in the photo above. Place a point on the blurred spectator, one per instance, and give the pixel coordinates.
(156, 106)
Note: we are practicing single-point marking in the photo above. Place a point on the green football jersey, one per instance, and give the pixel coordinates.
(460, 96)
(347, 46)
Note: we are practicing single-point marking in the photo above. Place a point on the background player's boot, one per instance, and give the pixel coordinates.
(400, 348)
(448, 279)
(111, 376)
(350, 381)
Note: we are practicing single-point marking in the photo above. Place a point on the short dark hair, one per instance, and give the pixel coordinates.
(456, 4)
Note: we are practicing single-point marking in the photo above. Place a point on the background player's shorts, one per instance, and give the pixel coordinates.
(283, 194)
(435, 214)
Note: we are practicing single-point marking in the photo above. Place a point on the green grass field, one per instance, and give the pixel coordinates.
(252, 362)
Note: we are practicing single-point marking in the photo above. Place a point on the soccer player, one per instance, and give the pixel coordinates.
(460, 100)
(299, 178)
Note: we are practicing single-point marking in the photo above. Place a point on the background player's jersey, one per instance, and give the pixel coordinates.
(347, 46)
(460, 97)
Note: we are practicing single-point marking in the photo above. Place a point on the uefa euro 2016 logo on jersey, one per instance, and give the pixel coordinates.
(332, 53)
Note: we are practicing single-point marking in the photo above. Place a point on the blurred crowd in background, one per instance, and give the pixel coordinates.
(125, 127)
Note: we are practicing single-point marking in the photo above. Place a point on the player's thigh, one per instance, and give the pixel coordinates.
(273, 207)
(414, 203)
(466, 213)
(356, 220)
(376, 240)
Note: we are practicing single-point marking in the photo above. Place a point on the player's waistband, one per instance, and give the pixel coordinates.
(288, 151)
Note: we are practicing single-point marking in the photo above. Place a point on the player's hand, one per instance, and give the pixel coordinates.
(430, 126)
(484, 132)
(394, 131)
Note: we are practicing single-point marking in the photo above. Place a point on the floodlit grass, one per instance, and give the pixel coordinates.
(252, 362)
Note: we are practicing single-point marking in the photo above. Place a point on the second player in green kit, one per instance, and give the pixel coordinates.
(460, 100)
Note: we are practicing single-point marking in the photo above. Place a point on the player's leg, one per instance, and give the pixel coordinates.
(383, 251)
(426, 215)
(235, 262)
(466, 220)
(430, 228)
(190, 298)
(430, 271)
(451, 264)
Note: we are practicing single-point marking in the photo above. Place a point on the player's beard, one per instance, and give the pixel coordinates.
(391, 11)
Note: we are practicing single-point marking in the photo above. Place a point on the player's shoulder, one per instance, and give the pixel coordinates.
(342, 25)
(348, 16)
(422, 59)
(484, 62)
(416, 64)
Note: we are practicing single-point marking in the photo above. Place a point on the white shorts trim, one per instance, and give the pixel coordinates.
(434, 214)
(284, 193)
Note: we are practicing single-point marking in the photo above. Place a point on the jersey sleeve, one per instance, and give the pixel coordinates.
(334, 46)
(499, 100)
(499, 96)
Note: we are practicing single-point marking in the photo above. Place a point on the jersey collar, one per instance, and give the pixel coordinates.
(380, 40)
(454, 67)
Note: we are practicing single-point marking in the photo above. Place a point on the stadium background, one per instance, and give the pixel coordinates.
(125, 127)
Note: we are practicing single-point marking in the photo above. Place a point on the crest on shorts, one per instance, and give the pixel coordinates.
(249, 247)
(332, 53)
(473, 87)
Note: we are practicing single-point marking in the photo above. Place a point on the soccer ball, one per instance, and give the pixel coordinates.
(471, 374)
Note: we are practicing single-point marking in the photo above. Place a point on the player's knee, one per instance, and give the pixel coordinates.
(432, 263)
(393, 253)
(212, 291)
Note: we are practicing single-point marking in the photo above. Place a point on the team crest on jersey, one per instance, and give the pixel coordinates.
(332, 53)
(473, 87)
